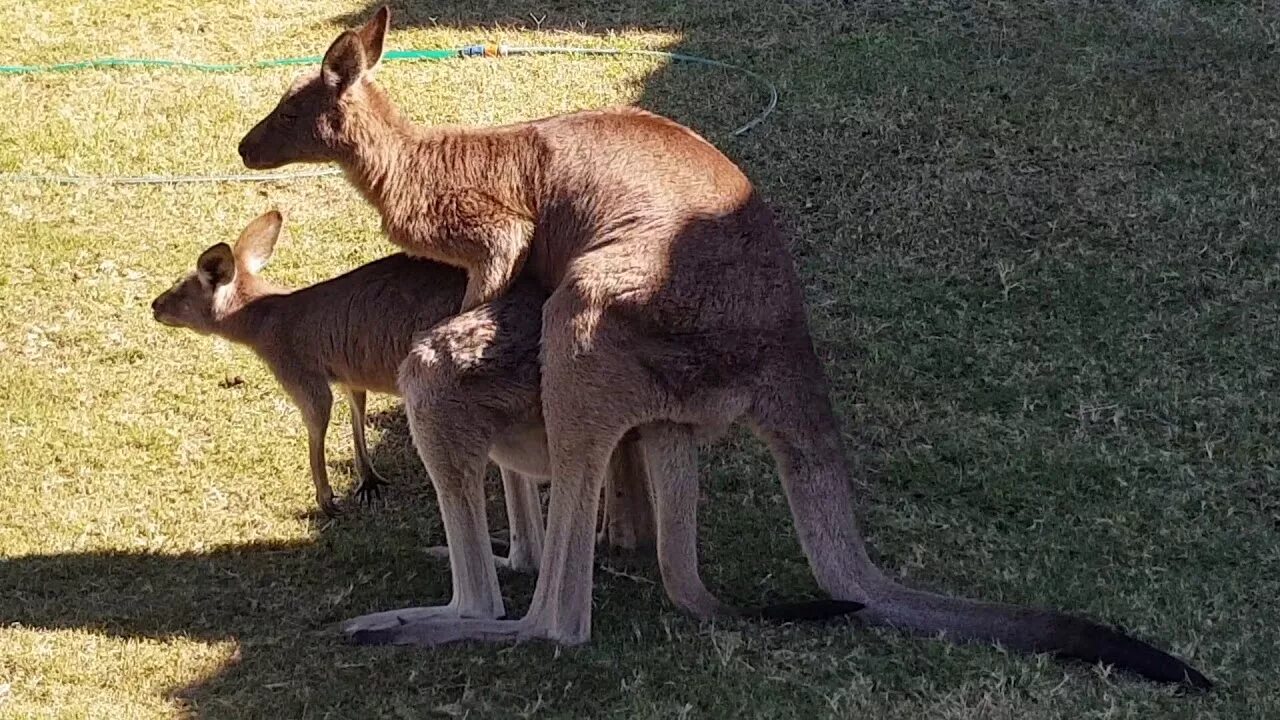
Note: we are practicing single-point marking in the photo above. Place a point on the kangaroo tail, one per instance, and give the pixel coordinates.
(809, 611)
(792, 413)
(1027, 630)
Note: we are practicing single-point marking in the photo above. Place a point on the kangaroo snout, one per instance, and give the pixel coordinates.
(245, 148)
(158, 304)
(158, 312)
(250, 149)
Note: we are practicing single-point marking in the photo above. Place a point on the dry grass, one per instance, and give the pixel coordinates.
(1040, 254)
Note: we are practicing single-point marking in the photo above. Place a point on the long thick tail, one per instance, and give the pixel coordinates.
(792, 414)
(1027, 630)
(806, 611)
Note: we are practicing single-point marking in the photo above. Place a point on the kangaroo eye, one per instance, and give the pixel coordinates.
(288, 116)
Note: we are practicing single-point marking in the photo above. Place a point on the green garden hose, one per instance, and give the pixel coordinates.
(208, 67)
(471, 51)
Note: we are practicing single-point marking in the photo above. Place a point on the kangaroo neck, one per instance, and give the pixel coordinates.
(380, 161)
(252, 316)
(403, 169)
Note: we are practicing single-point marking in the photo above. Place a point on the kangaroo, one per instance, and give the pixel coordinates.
(355, 331)
(674, 311)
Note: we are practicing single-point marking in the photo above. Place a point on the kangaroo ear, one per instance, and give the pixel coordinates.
(257, 241)
(356, 52)
(372, 35)
(343, 62)
(217, 265)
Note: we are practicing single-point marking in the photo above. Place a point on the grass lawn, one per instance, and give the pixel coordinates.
(1039, 247)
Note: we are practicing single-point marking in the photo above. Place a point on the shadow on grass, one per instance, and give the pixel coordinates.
(279, 602)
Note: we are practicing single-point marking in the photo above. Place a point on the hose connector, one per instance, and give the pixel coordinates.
(489, 51)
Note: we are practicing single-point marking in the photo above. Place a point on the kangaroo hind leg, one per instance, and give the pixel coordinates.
(671, 457)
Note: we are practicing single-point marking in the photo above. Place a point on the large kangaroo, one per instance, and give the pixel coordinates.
(675, 309)
(363, 331)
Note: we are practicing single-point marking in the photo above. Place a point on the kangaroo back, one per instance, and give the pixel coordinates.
(360, 325)
(353, 329)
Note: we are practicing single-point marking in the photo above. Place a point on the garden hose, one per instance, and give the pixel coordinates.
(470, 51)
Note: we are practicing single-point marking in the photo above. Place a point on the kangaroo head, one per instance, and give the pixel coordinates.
(225, 279)
(318, 118)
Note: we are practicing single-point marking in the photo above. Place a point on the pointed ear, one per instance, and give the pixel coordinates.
(217, 265)
(257, 241)
(372, 34)
(343, 61)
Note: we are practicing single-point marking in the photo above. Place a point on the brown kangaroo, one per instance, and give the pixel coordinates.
(358, 331)
(674, 310)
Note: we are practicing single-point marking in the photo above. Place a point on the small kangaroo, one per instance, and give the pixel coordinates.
(355, 330)
(674, 311)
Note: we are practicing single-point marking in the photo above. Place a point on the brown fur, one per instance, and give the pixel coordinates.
(674, 308)
(364, 330)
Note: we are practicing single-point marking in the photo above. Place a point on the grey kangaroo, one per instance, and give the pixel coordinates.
(355, 330)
